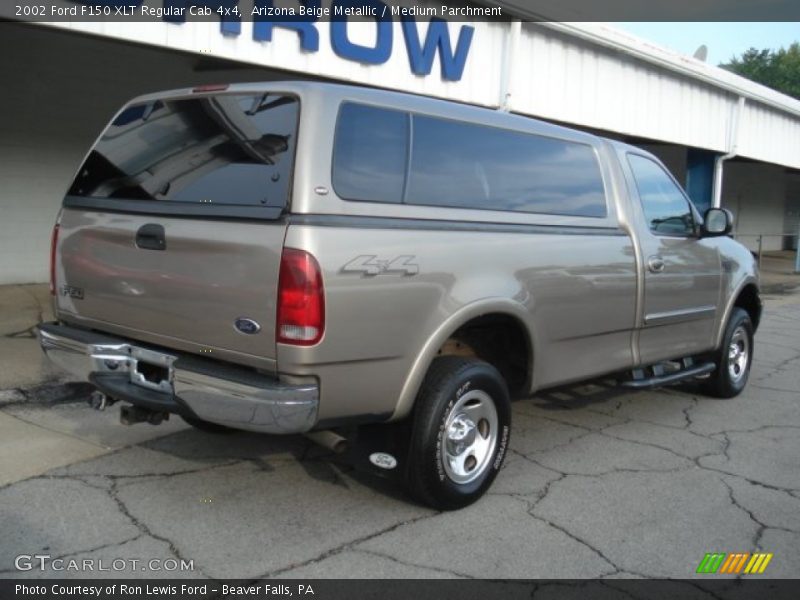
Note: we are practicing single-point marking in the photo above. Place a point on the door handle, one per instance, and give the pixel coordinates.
(655, 264)
(151, 237)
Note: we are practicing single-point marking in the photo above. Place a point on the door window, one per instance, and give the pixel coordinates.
(665, 207)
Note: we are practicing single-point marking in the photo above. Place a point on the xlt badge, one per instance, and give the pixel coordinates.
(72, 291)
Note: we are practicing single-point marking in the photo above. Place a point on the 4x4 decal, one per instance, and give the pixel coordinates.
(370, 265)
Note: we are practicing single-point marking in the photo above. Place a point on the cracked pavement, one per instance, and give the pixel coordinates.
(600, 482)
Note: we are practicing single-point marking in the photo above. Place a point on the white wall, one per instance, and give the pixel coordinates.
(62, 87)
(586, 74)
(61, 90)
(756, 193)
(791, 220)
(479, 85)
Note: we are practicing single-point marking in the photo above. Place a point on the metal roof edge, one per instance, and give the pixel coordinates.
(616, 39)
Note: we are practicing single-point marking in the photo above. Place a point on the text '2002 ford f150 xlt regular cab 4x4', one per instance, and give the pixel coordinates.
(305, 257)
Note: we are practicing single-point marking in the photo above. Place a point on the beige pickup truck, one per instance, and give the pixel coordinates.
(302, 257)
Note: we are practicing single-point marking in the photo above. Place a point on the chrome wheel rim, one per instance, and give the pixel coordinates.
(470, 436)
(738, 354)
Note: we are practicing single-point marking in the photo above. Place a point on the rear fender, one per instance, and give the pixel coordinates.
(428, 352)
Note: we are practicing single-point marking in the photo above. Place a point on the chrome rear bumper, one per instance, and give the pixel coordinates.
(195, 387)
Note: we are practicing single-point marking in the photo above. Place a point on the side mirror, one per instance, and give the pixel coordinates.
(717, 222)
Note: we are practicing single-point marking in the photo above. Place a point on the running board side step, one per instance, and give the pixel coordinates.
(659, 377)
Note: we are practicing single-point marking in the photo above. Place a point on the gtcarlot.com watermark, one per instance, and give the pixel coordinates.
(45, 562)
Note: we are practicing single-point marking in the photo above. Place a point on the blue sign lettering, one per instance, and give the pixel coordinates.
(262, 26)
(421, 56)
(421, 53)
(342, 45)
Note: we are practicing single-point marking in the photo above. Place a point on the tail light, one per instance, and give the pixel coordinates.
(301, 299)
(53, 244)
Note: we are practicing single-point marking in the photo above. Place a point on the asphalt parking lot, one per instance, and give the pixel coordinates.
(600, 482)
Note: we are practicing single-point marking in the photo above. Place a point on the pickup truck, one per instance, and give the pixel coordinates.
(303, 257)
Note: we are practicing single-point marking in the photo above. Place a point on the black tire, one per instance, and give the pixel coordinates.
(729, 379)
(476, 389)
(206, 426)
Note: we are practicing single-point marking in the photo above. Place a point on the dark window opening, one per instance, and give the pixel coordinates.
(461, 165)
(227, 149)
(370, 154)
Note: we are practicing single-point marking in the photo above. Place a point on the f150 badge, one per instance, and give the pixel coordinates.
(370, 265)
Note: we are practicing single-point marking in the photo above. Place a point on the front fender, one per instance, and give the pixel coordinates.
(729, 305)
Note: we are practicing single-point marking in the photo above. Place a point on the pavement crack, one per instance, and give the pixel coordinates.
(760, 527)
(687, 410)
(604, 473)
(647, 444)
(795, 492)
(567, 443)
(725, 452)
(415, 565)
(531, 510)
(113, 493)
(346, 546)
(169, 474)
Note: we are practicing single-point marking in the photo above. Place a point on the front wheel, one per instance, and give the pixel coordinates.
(733, 358)
(461, 430)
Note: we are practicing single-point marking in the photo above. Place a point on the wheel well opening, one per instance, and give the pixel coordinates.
(501, 341)
(749, 301)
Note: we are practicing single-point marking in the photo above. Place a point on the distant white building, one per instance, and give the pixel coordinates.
(65, 80)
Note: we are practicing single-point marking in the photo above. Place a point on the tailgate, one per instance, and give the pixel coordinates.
(188, 295)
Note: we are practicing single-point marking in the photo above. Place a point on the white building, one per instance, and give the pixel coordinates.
(63, 81)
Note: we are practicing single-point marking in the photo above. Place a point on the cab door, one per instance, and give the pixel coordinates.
(681, 272)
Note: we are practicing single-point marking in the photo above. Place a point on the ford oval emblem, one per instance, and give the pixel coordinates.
(383, 460)
(248, 326)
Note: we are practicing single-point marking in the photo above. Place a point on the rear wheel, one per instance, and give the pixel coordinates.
(733, 358)
(461, 428)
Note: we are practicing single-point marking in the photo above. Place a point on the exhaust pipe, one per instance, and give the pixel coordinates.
(330, 440)
(100, 401)
(130, 415)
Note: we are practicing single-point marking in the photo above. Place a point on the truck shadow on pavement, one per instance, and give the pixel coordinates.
(269, 453)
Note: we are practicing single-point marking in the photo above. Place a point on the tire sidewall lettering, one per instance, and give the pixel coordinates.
(501, 448)
(742, 383)
(438, 460)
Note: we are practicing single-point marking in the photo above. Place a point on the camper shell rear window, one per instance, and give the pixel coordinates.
(226, 149)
